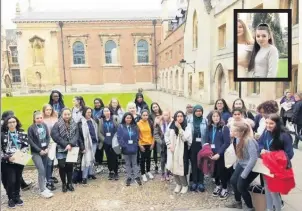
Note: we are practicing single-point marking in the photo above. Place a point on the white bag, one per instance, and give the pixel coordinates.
(115, 145)
(52, 150)
(261, 168)
(230, 156)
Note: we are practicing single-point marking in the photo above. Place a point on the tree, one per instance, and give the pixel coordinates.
(273, 20)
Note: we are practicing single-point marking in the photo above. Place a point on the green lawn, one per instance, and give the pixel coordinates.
(283, 68)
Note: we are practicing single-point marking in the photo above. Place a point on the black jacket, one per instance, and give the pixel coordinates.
(33, 138)
(297, 113)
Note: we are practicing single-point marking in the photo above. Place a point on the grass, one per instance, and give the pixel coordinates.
(283, 68)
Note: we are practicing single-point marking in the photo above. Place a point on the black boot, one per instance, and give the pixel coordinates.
(64, 188)
(70, 187)
(295, 145)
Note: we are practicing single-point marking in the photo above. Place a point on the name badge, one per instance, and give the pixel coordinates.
(130, 141)
(43, 144)
(198, 139)
(212, 146)
(108, 134)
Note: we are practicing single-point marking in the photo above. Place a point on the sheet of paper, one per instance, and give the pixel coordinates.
(21, 158)
(72, 155)
(261, 168)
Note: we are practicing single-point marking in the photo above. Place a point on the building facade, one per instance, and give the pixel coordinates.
(111, 50)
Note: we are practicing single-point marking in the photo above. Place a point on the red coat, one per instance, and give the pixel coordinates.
(204, 163)
(283, 180)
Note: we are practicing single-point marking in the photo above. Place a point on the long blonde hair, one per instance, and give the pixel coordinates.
(246, 33)
(53, 112)
(244, 129)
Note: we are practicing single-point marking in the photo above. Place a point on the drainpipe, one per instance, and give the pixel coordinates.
(240, 88)
(155, 52)
(63, 59)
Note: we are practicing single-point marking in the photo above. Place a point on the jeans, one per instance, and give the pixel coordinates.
(13, 174)
(41, 165)
(49, 170)
(131, 166)
(112, 158)
(240, 185)
(272, 199)
(145, 159)
(89, 170)
(181, 180)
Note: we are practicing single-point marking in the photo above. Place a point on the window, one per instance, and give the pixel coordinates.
(222, 36)
(142, 52)
(14, 54)
(201, 80)
(16, 76)
(78, 53)
(171, 55)
(233, 86)
(195, 30)
(110, 52)
(254, 87)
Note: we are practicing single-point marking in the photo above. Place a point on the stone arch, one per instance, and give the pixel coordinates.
(170, 80)
(166, 80)
(39, 79)
(176, 78)
(219, 81)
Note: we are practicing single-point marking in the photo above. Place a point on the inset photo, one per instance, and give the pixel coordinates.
(262, 45)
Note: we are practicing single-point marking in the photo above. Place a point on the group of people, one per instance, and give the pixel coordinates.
(184, 142)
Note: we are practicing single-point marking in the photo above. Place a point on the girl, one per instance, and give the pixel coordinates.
(106, 131)
(140, 103)
(127, 135)
(219, 137)
(65, 133)
(287, 102)
(223, 108)
(12, 139)
(116, 109)
(239, 103)
(160, 129)
(146, 143)
(178, 141)
(50, 117)
(98, 108)
(238, 116)
(274, 138)
(247, 155)
(199, 129)
(265, 57)
(78, 106)
(56, 101)
(38, 139)
(245, 47)
(88, 131)
(297, 116)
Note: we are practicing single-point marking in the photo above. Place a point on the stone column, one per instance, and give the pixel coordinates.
(22, 54)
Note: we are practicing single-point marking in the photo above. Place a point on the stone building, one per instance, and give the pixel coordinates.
(208, 46)
(5, 76)
(112, 50)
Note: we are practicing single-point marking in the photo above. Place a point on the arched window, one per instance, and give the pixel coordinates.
(110, 52)
(78, 53)
(195, 30)
(142, 52)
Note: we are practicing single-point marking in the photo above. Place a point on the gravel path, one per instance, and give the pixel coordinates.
(103, 195)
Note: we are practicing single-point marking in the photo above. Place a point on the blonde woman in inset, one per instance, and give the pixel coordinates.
(245, 47)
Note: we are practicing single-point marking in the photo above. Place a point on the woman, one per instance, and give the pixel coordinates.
(38, 139)
(12, 139)
(140, 103)
(297, 116)
(237, 116)
(286, 103)
(127, 136)
(160, 129)
(78, 106)
(258, 117)
(106, 131)
(219, 137)
(65, 133)
(189, 113)
(245, 47)
(223, 108)
(274, 138)
(116, 109)
(247, 155)
(56, 101)
(178, 141)
(146, 144)
(199, 130)
(98, 108)
(88, 131)
(265, 56)
(239, 103)
(50, 117)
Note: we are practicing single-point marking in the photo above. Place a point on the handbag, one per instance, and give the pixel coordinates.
(115, 145)
(230, 156)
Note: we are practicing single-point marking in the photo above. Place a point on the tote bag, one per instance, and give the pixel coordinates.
(230, 156)
(115, 145)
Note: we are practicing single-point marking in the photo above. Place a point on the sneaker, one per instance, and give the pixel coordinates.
(11, 204)
(156, 169)
(234, 205)
(145, 179)
(116, 177)
(201, 188)
(177, 189)
(150, 175)
(216, 191)
(111, 176)
(98, 170)
(193, 187)
(46, 194)
(84, 182)
(55, 180)
(128, 182)
(92, 177)
(184, 189)
(50, 186)
(47, 190)
(138, 181)
(224, 194)
(70, 187)
(26, 187)
(167, 176)
(18, 202)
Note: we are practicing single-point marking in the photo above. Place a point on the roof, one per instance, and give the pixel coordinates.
(88, 16)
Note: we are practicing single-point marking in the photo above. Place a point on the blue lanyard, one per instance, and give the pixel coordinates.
(213, 134)
(129, 132)
(108, 124)
(96, 114)
(268, 143)
(14, 138)
(56, 107)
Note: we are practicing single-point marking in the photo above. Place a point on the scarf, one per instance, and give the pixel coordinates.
(197, 120)
(67, 132)
(88, 157)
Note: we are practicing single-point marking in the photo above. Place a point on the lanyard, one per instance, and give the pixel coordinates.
(96, 113)
(213, 134)
(108, 124)
(129, 132)
(268, 143)
(14, 138)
